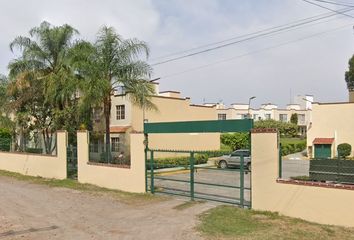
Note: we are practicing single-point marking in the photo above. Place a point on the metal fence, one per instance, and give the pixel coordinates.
(339, 171)
(34, 143)
(118, 154)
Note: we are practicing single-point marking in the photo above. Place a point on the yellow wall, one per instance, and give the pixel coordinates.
(332, 120)
(38, 164)
(317, 204)
(130, 180)
(174, 110)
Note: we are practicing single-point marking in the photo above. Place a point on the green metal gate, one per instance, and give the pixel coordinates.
(71, 158)
(192, 180)
(198, 181)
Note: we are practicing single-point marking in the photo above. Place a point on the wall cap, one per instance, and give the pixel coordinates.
(316, 184)
(264, 130)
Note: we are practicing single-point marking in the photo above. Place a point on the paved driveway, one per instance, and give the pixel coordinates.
(29, 211)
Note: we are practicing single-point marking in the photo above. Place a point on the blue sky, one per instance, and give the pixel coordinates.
(313, 66)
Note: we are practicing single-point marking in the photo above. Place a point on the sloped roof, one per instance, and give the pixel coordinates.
(118, 129)
(323, 141)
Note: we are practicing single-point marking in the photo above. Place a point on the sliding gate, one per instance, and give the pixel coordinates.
(196, 174)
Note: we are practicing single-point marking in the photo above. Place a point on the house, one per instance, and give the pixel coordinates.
(267, 111)
(331, 125)
(128, 118)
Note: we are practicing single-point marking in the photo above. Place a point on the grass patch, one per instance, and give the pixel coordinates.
(126, 197)
(227, 222)
(186, 205)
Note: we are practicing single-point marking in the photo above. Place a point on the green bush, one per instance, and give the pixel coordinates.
(235, 140)
(284, 128)
(182, 161)
(290, 148)
(5, 140)
(34, 150)
(344, 150)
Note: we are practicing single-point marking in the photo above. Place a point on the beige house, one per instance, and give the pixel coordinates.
(331, 125)
(171, 107)
(270, 111)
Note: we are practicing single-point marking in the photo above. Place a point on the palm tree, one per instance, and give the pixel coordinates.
(114, 63)
(43, 75)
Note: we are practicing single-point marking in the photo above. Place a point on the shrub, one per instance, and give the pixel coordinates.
(5, 140)
(34, 150)
(344, 150)
(169, 162)
(235, 140)
(290, 148)
(284, 128)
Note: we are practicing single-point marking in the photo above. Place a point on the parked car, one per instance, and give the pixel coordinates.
(234, 159)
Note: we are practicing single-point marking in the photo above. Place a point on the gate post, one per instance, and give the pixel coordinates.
(191, 180)
(242, 181)
(152, 188)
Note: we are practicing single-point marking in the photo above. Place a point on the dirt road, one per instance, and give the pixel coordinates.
(30, 211)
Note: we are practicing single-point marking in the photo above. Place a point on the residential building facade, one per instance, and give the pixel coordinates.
(302, 107)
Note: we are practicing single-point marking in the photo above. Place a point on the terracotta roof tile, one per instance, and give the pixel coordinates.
(323, 140)
(119, 129)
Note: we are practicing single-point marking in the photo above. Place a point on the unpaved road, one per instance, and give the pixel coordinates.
(38, 212)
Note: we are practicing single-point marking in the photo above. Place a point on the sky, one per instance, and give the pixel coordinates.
(308, 60)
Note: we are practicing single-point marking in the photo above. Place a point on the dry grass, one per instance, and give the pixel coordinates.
(228, 222)
(125, 197)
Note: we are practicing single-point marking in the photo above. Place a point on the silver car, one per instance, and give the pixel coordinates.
(234, 159)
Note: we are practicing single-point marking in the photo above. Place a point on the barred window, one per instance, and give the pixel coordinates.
(222, 116)
(120, 111)
(115, 144)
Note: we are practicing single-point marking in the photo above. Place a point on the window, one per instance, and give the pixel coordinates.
(267, 116)
(115, 144)
(301, 119)
(244, 116)
(255, 116)
(120, 112)
(283, 117)
(97, 114)
(222, 116)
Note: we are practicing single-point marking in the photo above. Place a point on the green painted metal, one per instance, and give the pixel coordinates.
(146, 157)
(341, 171)
(71, 161)
(243, 125)
(242, 181)
(323, 150)
(191, 179)
(152, 187)
(280, 163)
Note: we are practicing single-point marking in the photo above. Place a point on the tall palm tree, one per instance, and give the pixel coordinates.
(44, 76)
(116, 63)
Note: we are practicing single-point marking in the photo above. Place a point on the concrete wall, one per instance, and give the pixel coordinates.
(312, 203)
(41, 165)
(332, 120)
(109, 176)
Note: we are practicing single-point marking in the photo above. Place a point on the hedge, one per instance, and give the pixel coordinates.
(290, 148)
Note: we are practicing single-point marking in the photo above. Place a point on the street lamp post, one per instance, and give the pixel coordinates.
(249, 106)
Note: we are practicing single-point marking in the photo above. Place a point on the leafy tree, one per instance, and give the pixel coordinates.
(111, 63)
(294, 118)
(344, 150)
(235, 140)
(349, 75)
(285, 129)
(43, 82)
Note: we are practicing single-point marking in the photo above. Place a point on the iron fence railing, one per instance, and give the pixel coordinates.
(30, 144)
(106, 153)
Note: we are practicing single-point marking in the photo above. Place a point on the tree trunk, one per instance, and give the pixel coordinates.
(107, 104)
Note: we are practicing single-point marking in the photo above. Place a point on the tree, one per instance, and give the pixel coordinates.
(294, 118)
(113, 62)
(344, 150)
(285, 129)
(43, 83)
(349, 75)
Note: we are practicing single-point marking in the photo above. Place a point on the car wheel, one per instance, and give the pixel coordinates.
(249, 166)
(223, 164)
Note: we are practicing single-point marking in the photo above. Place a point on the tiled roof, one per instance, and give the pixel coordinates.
(323, 140)
(118, 129)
